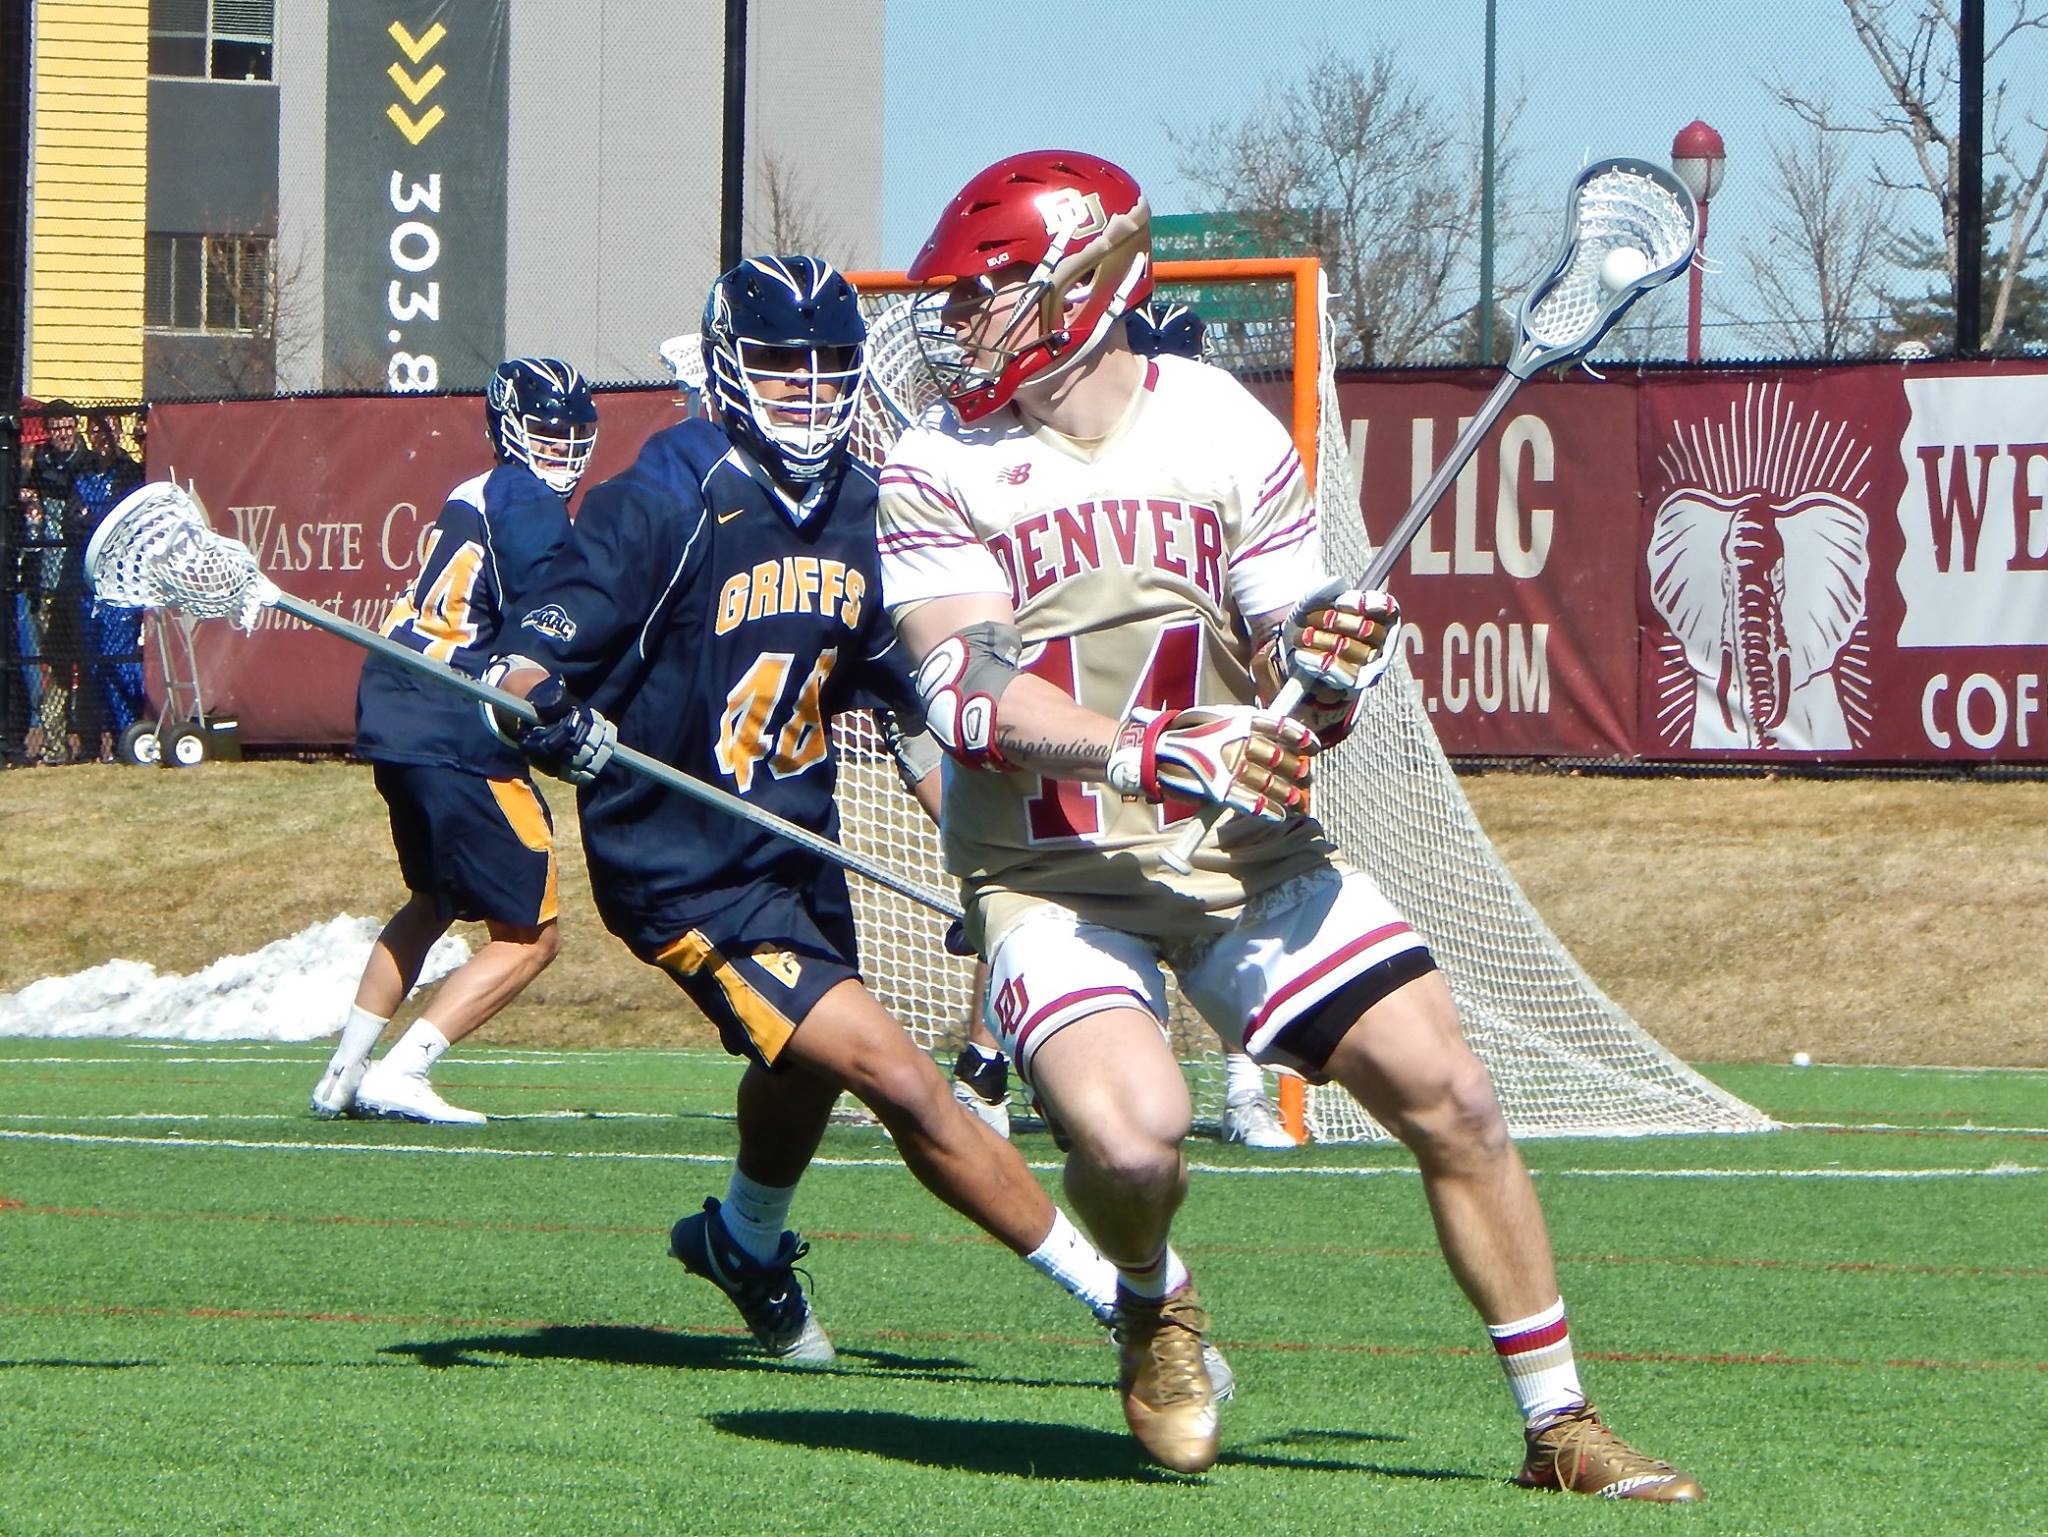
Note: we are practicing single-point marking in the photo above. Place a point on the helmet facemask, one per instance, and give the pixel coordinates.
(799, 401)
(557, 452)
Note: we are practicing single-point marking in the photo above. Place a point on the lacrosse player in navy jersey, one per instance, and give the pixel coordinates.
(720, 602)
(475, 841)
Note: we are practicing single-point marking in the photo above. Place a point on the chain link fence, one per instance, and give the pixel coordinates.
(71, 683)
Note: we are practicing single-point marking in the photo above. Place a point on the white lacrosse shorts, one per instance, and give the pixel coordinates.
(1291, 949)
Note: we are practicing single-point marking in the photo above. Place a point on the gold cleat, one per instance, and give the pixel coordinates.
(1169, 1401)
(1573, 1451)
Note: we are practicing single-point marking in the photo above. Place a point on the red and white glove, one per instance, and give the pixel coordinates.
(1336, 643)
(1248, 759)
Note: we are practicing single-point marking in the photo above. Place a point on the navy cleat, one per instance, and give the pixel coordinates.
(767, 1293)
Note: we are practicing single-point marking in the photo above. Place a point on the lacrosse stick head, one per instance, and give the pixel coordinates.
(1629, 206)
(155, 549)
(900, 338)
(684, 356)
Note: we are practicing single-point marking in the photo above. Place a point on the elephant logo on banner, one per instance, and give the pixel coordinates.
(1759, 563)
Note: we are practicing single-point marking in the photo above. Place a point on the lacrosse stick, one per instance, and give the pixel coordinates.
(1625, 219)
(156, 550)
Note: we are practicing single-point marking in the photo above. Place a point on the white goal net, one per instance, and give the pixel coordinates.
(1565, 1059)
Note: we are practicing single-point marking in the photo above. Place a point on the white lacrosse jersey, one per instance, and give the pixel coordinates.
(1134, 563)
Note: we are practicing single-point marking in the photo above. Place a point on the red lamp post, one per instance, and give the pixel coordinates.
(1700, 160)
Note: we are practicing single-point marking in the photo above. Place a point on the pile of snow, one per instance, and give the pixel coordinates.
(294, 989)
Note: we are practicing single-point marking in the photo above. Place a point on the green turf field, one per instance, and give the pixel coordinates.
(222, 1316)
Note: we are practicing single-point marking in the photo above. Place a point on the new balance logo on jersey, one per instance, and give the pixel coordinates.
(553, 621)
(1014, 474)
(1182, 539)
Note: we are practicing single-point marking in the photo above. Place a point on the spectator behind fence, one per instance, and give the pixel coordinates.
(47, 610)
(112, 635)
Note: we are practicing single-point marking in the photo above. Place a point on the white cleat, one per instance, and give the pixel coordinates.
(1252, 1122)
(996, 1116)
(334, 1096)
(385, 1095)
(1222, 1380)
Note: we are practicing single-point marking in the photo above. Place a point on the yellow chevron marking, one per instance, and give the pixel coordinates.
(415, 131)
(420, 48)
(415, 89)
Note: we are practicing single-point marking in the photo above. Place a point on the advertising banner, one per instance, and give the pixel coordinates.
(336, 498)
(416, 128)
(1776, 566)
(1849, 564)
(1520, 589)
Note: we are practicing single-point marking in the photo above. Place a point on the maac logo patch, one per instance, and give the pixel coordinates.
(553, 621)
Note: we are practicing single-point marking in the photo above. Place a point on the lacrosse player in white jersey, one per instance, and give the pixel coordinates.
(1102, 562)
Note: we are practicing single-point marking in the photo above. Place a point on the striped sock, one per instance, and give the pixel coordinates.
(1536, 1354)
(1157, 1281)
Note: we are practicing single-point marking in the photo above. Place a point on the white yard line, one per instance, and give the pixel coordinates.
(1326, 1171)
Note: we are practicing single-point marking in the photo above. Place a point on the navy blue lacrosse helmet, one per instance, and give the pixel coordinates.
(1156, 328)
(784, 355)
(540, 413)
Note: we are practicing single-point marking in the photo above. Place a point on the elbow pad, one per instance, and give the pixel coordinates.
(961, 683)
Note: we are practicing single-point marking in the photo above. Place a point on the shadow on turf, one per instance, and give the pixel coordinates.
(629, 1345)
(1028, 1449)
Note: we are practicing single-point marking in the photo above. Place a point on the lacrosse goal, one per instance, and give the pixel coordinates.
(1565, 1059)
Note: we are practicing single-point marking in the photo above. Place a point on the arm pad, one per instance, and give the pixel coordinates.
(961, 682)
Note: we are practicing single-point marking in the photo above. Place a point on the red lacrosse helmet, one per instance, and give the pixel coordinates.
(1083, 228)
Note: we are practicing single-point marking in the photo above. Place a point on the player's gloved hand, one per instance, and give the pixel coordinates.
(570, 741)
(1336, 643)
(1248, 759)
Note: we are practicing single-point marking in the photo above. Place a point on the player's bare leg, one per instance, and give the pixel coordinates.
(1113, 1083)
(395, 1087)
(396, 957)
(1408, 1064)
(850, 1039)
(848, 1042)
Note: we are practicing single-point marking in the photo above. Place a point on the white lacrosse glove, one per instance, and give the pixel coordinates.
(570, 741)
(1248, 759)
(1336, 643)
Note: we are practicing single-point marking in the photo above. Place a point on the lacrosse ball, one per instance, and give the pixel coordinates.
(1624, 264)
(1802, 1059)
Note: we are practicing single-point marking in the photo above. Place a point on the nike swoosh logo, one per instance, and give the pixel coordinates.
(727, 517)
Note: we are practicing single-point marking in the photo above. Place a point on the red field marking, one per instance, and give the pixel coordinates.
(1922, 1133)
(962, 1336)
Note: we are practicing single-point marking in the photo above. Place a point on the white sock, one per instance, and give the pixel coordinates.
(359, 1034)
(755, 1214)
(1158, 1280)
(1242, 1077)
(417, 1050)
(1536, 1354)
(1070, 1259)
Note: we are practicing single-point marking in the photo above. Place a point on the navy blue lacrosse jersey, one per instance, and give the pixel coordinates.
(722, 637)
(485, 553)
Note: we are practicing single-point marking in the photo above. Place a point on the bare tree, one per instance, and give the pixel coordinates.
(1817, 282)
(1355, 163)
(1916, 48)
(784, 216)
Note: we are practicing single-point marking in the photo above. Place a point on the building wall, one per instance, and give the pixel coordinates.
(91, 141)
(615, 147)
